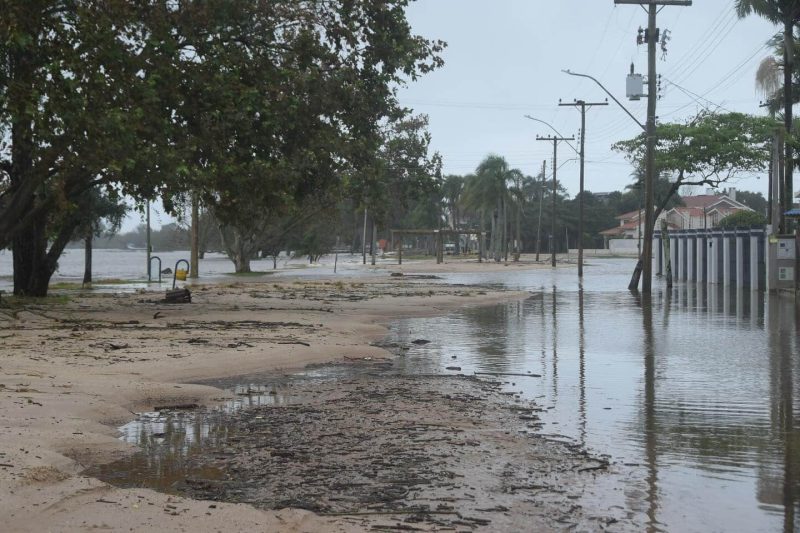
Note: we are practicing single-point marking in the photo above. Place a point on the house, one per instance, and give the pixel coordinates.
(698, 212)
(702, 211)
(631, 225)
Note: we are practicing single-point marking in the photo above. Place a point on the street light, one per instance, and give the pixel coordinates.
(555, 130)
(646, 258)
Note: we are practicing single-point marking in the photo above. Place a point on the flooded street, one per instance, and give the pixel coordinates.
(697, 394)
(692, 399)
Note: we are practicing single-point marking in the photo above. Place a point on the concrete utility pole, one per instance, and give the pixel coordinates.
(555, 141)
(539, 224)
(650, 170)
(582, 105)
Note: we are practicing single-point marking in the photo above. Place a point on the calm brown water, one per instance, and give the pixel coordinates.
(694, 395)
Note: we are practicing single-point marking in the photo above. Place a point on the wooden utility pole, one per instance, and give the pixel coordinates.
(364, 240)
(646, 259)
(194, 258)
(555, 141)
(149, 248)
(582, 105)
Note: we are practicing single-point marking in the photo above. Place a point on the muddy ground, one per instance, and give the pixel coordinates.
(385, 452)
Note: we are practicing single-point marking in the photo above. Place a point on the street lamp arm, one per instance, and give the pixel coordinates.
(555, 130)
(608, 93)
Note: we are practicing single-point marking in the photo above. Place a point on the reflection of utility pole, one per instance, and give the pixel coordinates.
(650, 167)
(582, 104)
(554, 140)
(539, 224)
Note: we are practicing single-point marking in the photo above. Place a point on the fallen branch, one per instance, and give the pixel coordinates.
(379, 513)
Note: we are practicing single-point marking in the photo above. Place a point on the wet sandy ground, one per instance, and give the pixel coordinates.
(382, 452)
(71, 373)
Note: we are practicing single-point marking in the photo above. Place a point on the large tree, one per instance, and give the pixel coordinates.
(77, 110)
(287, 101)
(254, 105)
(707, 150)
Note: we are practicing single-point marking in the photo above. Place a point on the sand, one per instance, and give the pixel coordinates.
(72, 372)
(76, 367)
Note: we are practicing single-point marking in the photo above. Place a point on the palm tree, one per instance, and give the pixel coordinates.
(785, 13)
(488, 191)
(452, 189)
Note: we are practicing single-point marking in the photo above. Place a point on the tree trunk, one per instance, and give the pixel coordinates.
(497, 232)
(241, 261)
(31, 272)
(87, 258)
(506, 232)
(518, 238)
(34, 264)
(237, 249)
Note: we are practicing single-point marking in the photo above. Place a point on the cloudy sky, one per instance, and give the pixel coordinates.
(504, 60)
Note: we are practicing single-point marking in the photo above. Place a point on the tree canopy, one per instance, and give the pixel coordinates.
(253, 106)
(707, 150)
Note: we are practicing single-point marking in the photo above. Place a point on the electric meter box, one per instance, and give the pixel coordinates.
(781, 262)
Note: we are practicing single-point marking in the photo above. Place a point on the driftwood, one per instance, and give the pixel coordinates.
(178, 296)
(507, 374)
(175, 407)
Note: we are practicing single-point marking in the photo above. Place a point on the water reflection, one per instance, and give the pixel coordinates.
(695, 387)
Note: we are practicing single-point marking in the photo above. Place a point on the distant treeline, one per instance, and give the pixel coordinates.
(169, 237)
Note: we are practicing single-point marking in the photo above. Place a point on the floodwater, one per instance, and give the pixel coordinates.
(131, 266)
(694, 396)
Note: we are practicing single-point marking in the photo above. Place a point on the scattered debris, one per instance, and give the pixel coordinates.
(178, 296)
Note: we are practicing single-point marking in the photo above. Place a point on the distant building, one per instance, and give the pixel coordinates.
(631, 225)
(703, 211)
(698, 212)
(602, 196)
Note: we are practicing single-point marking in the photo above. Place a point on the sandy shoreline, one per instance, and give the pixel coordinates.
(70, 373)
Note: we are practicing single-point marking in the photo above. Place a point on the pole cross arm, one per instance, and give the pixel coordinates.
(654, 2)
(608, 93)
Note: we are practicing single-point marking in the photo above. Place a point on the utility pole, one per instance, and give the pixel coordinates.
(539, 224)
(555, 140)
(364, 240)
(194, 266)
(582, 104)
(650, 167)
(149, 248)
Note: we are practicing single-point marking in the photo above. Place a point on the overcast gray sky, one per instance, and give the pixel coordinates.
(504, 60)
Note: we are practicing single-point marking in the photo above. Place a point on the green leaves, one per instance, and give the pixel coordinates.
(708, 149)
